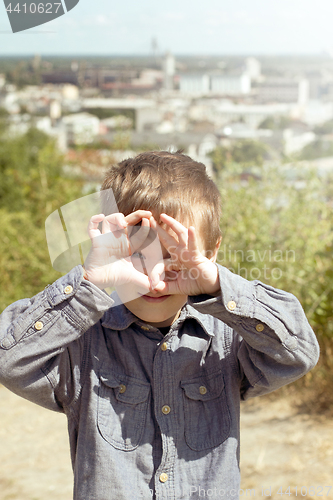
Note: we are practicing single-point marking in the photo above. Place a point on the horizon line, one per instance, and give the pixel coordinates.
(322, 54)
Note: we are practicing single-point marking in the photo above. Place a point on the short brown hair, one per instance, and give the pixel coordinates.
(170, 183)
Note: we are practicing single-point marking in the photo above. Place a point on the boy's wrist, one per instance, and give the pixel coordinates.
(213, 288)
(85, 275)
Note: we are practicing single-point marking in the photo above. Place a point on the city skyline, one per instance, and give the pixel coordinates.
(297, 28)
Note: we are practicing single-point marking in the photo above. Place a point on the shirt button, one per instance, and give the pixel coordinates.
(260, 327)
(164, 346)
(38, 325)
(163, 477)
(122, 388)
(231, 305)
(202, 389)
(166, 409)
(6, 342)
(68, 289)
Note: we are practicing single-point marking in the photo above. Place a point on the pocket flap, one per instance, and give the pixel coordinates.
(127, 389)
(204, 388)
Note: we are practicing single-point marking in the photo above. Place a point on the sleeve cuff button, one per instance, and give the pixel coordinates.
(260, 327)
(231, 305)
(38, 325)
(68, 289)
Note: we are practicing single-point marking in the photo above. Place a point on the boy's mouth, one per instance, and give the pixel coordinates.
(155, 300)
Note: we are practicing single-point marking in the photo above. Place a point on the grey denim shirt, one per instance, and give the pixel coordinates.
(152, 416)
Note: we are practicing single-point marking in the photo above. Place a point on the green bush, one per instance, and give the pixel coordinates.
(32, 185)
(279, 231)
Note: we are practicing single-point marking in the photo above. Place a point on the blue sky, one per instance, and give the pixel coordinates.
(181, 26)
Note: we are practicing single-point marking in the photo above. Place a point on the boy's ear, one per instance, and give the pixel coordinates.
(216, 249)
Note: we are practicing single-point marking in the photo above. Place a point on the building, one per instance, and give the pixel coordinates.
(147, 114)
(253, 69)
(194, 83)
(230, 85)
(284, 90)
(169, 69)
(81, 128)
(215, 83)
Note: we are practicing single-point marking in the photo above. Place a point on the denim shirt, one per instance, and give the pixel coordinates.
(152, 416)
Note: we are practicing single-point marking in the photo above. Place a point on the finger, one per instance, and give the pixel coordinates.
(135, 217)
(153, 257)
(180, 230)
(140, 280)
(167, 239)
(171, 265)
(140, 285)
(116, 224)
(138, 235)
(94, 221)
(167, 287)
(193, 244)
(157, 274)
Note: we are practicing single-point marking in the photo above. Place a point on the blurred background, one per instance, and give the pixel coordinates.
(245, 88)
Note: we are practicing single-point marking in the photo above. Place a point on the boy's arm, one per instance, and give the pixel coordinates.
(42, 346)
(278, 343)
(41, 341)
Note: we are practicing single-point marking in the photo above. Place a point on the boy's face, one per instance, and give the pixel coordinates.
(155, 308)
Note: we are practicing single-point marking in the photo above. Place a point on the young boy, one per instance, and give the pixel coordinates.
(151, 378)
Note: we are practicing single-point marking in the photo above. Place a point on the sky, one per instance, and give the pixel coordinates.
(198, 27)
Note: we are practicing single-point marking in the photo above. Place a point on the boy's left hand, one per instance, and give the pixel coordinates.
(187, 270)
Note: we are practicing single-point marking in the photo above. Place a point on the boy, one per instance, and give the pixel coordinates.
(151, 378)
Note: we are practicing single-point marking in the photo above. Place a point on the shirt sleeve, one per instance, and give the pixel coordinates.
(42, 343)
(274, 342)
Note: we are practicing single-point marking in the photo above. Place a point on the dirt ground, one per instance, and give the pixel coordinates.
(280, 448)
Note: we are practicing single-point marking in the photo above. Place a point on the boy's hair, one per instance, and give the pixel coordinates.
(170, 183)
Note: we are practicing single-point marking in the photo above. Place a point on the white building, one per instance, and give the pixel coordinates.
(317, 112)
(194, 83)
(204, 84)
(295, 141)
(230, 84)
(228, 112)
(70, 92)
(81, 128)
(253, 68)
(169, 68)
(147, 112)
(284, 90)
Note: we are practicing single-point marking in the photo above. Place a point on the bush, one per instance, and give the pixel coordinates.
(280, 232)
(32, 185)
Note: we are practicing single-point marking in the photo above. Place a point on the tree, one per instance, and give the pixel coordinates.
(282, 235)
(3, 120)
(325, 128)
(244, 152)
(32, 185)
(275, 123)
(317, 149)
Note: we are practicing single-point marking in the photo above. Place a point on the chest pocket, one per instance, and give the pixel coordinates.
(207, 416)
(122, 410)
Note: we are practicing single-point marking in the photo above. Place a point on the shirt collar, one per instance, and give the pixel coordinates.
(118, 317)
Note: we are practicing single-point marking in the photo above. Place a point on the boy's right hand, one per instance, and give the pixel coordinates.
(109, 261)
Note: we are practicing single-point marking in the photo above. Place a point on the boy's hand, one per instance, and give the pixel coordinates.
(110, 261)
(187, 271)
